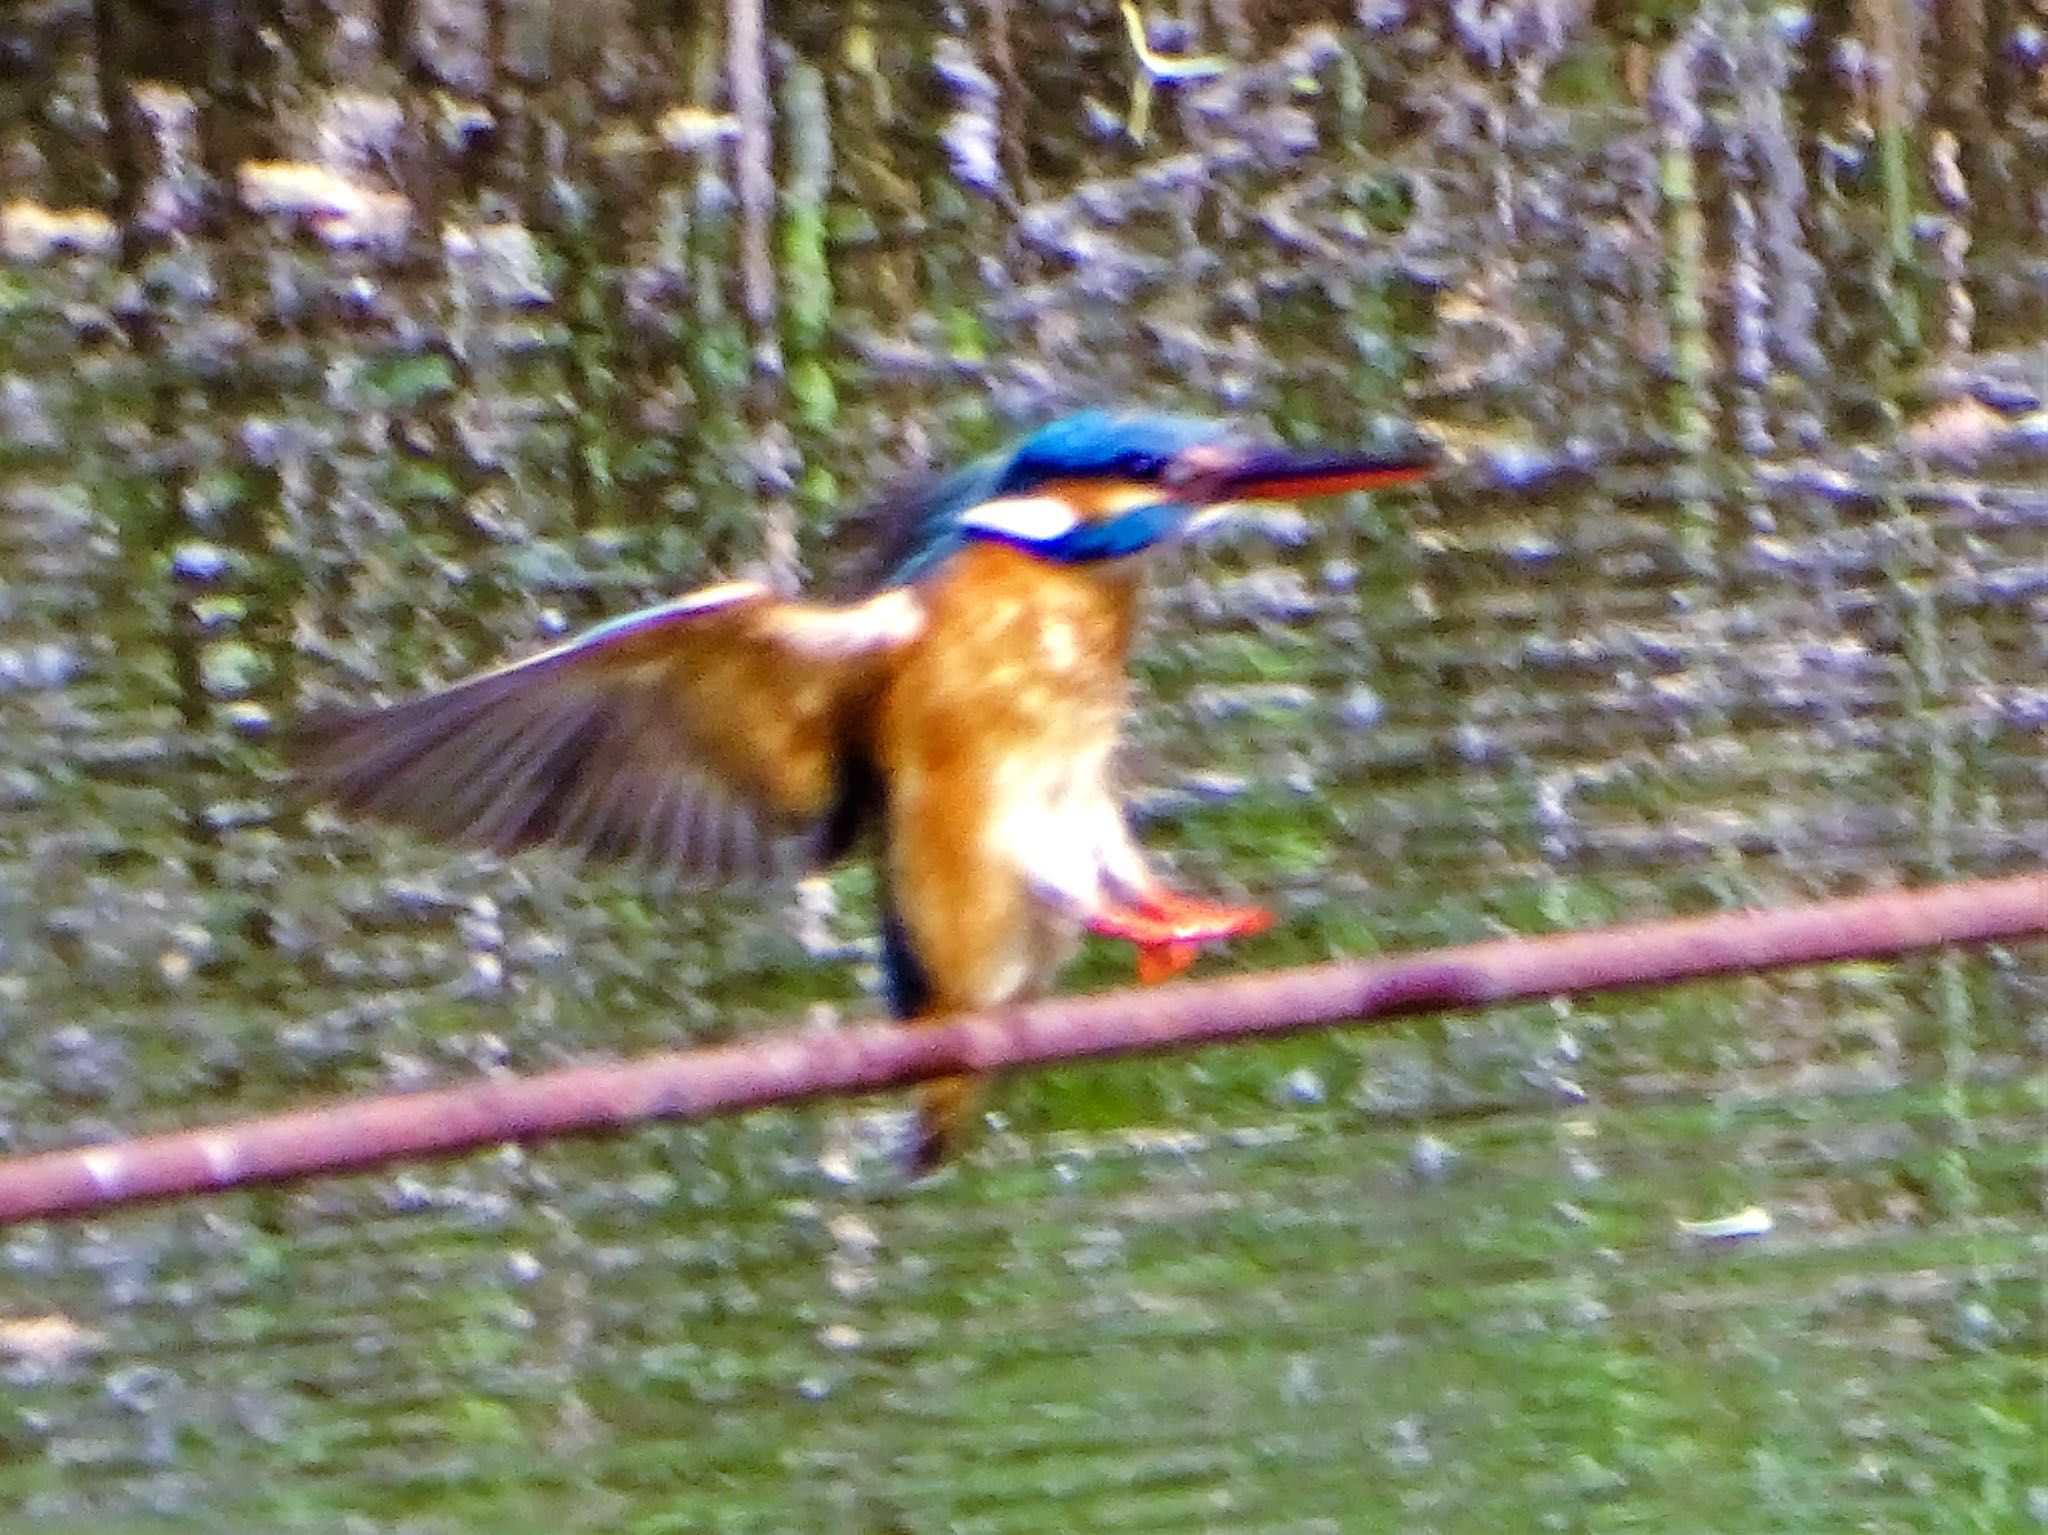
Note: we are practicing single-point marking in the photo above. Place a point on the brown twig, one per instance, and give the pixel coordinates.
(785, 1067)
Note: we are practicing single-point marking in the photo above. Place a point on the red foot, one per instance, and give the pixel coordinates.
(1213, 921)
(1163, 961)
(1169, 929)
(1161, 917)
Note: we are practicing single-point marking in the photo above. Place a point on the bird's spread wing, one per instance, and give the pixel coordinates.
(706, 736)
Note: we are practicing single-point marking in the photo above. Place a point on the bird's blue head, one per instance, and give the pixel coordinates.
(1105, 485)
(1099, 447)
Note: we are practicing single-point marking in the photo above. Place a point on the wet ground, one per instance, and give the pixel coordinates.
(344, 347)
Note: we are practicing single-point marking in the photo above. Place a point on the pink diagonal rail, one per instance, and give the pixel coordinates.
(785, 1067)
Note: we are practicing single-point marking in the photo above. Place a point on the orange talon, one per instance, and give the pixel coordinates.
(1163, 961)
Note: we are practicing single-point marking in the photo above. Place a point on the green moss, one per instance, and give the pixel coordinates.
(815, 397)
(413, 483)
(402, 382)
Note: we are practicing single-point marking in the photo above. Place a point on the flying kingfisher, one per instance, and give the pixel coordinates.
(960, 716)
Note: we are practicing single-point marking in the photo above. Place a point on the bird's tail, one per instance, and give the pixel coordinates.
(945, 1105)
(945, 1114)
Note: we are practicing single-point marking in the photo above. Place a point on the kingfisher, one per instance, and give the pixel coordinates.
(957, 716)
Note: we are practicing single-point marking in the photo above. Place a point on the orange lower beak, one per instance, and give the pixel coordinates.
(1276, 474)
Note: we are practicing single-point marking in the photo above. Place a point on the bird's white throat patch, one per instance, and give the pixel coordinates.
(1028, 519)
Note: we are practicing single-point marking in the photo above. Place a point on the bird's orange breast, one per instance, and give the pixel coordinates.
(994, 739)
(1017, 653)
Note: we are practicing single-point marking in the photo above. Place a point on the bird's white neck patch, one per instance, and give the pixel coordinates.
(1027, 519)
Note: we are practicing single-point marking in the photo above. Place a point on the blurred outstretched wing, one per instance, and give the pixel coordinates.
(707, 736)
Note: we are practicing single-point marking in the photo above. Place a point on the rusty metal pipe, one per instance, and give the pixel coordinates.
(788, 1066)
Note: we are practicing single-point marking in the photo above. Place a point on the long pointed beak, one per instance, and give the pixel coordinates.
(1279, 474)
